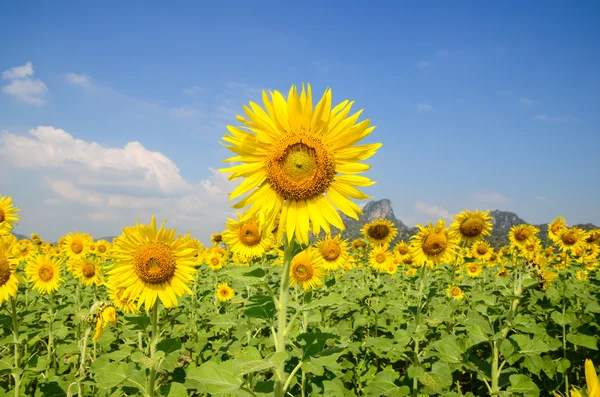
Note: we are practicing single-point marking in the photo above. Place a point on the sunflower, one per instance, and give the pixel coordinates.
(473, 269)
(408, 260)
(481, 250)
(548, 276)
(9, 280)
(105, 316)
(519, 235)
(45, 273)
(76, 245)
(391, 268)
(102, 248)
(86, 270)
(306, 270)
(152, 264)
(245, 237)
(299, 162)
(380, 231)
(411, 272)
(115, 294)
(434, 244)
(380, 257)
(358, 244)
(593, 236)
(216, 238)
(532, 248)
(215, 260)
(225, 292)
(471, 226)
(333, 252)
(555, 227)
(8, 215)
(454, 292)
(571, 239)
(503, 272)
(23, 250)
(402, 248)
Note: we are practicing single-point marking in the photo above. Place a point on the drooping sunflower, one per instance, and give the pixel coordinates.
(115, 294)
(571, 239)
(216, 238)
(519, 235)
(555, 227)
(471, 226)
(481, 250)
(473, 269)
(246, 238)
(306, 270)
(299, 162)
(454, 292)
(358, 244)
(152, 264)
(434, 244)
(105, 316)
(380, 257)
(86, 270)
(333, 252)
(402, 248)
(8, 215)
(379, 232)
(225, 292)
(44, 272)
(9, 280)
(76, 245)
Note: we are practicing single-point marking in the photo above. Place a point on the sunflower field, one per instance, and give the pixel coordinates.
(268, 309)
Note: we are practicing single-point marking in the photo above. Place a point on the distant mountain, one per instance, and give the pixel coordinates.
(107, 238)
(21, 236)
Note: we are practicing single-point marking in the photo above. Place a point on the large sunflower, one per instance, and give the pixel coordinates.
(86, 270)
(571, 239)
(9, 280)
(519, 235)
(333, 252)
(555, 227)
(299, 162)
(152, 264)
(306, 270)
(472, 226)
(8, 215)
(434, 244)
(44, 272)
(76, 245)
(380, 231)
(246, 238)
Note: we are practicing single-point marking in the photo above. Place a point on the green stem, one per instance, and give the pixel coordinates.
(284, 293)
(81, 373)
(495, 371)
(417, 321)
(564, 333)
(153, 342)
(50, 336)
(17, 370)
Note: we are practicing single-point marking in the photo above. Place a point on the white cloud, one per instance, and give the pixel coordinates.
(432, 210)
(22, 87)
(424, 107)
(560, 118)
(542, 198)
(491, 198)
(423, 64)
(18, 72)
(184, 111)
(526, 101)
(78, 79)
(69, 192)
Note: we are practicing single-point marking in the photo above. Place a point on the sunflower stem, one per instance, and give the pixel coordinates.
(284, 292)
(417, 322)
(153, 342)
(50, 336)
(15, 322)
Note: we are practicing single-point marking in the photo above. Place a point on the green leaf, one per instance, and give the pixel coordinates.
(260, 307)
(449, 349)
(249, 360)
(438, 379)
(174, 389)
(583, 340)
(329, 300)
(383, 385)
(314, 342)
(113, 375)
(139, 323)
(562, 319)
(562, 365)
(335, 388)
(169, 345)
(216, 378)
(524, 385)
(530, 346)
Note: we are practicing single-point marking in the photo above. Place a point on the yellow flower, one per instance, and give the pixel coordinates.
(532, 248)
(471, 226)
(571, 239)
(116, 296)
(379, 232)
(402, 248)
(23, 250)
(225, 292)
(76, 245)
(593, 237)
(411, 272)
(215, 260)
(8, 215)
(473, 269)
(454, 292)
(380, 257)
(519, 235)
(503, 273)
(555, 227)
(333, 252)
(102, 248)
(245, 237)
(9, 280)
(434, 245)
(86, 270)
(216, 238)
(548, 276)
(306, 270)
(105, 316)
(481, 250)
(591, 379)
(581, 275)
(358, 244)
(300, 163)
(45, 273)
(152, 264)
(391, 268)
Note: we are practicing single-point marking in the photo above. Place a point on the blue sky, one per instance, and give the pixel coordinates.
(479, 105)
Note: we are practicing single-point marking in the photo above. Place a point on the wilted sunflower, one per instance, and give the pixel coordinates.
(380, 231)
(333, 252)
(152, 264)
(86, 270)
(8, 215)
(306, 270)
(225, 292)
(481, 250)
(246, 238)
(105, 316)
(45, 273)
(402, 248)
(473, 269)
(380, 257)
(9, 280)
(471, 226)
(519, 235)
(76, 245)
(299, 162)
(454, 292)
(571, 239)
(555, 227)
(434, 244)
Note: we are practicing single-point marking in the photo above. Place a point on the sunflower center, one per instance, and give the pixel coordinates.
(473, 268)
(593, 237)
(300, 167)
(76, 247)
(101, 249)
(214, 261)
(2, 215)
(530, 247)
(224, 292)
(380, 258)
(154, 263)
(249, 233)
(359, 244)
(403, 249)
(471, 227)
(46, 272)
(408, 260)
(88, 270)
(4, 270)
(555, 228)
(569, 237)
(378, 232)
(455, 291)
(303, 271)
(217, 238)
(482, 249)
(435, 244)
(522, 235)
(331, 251)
